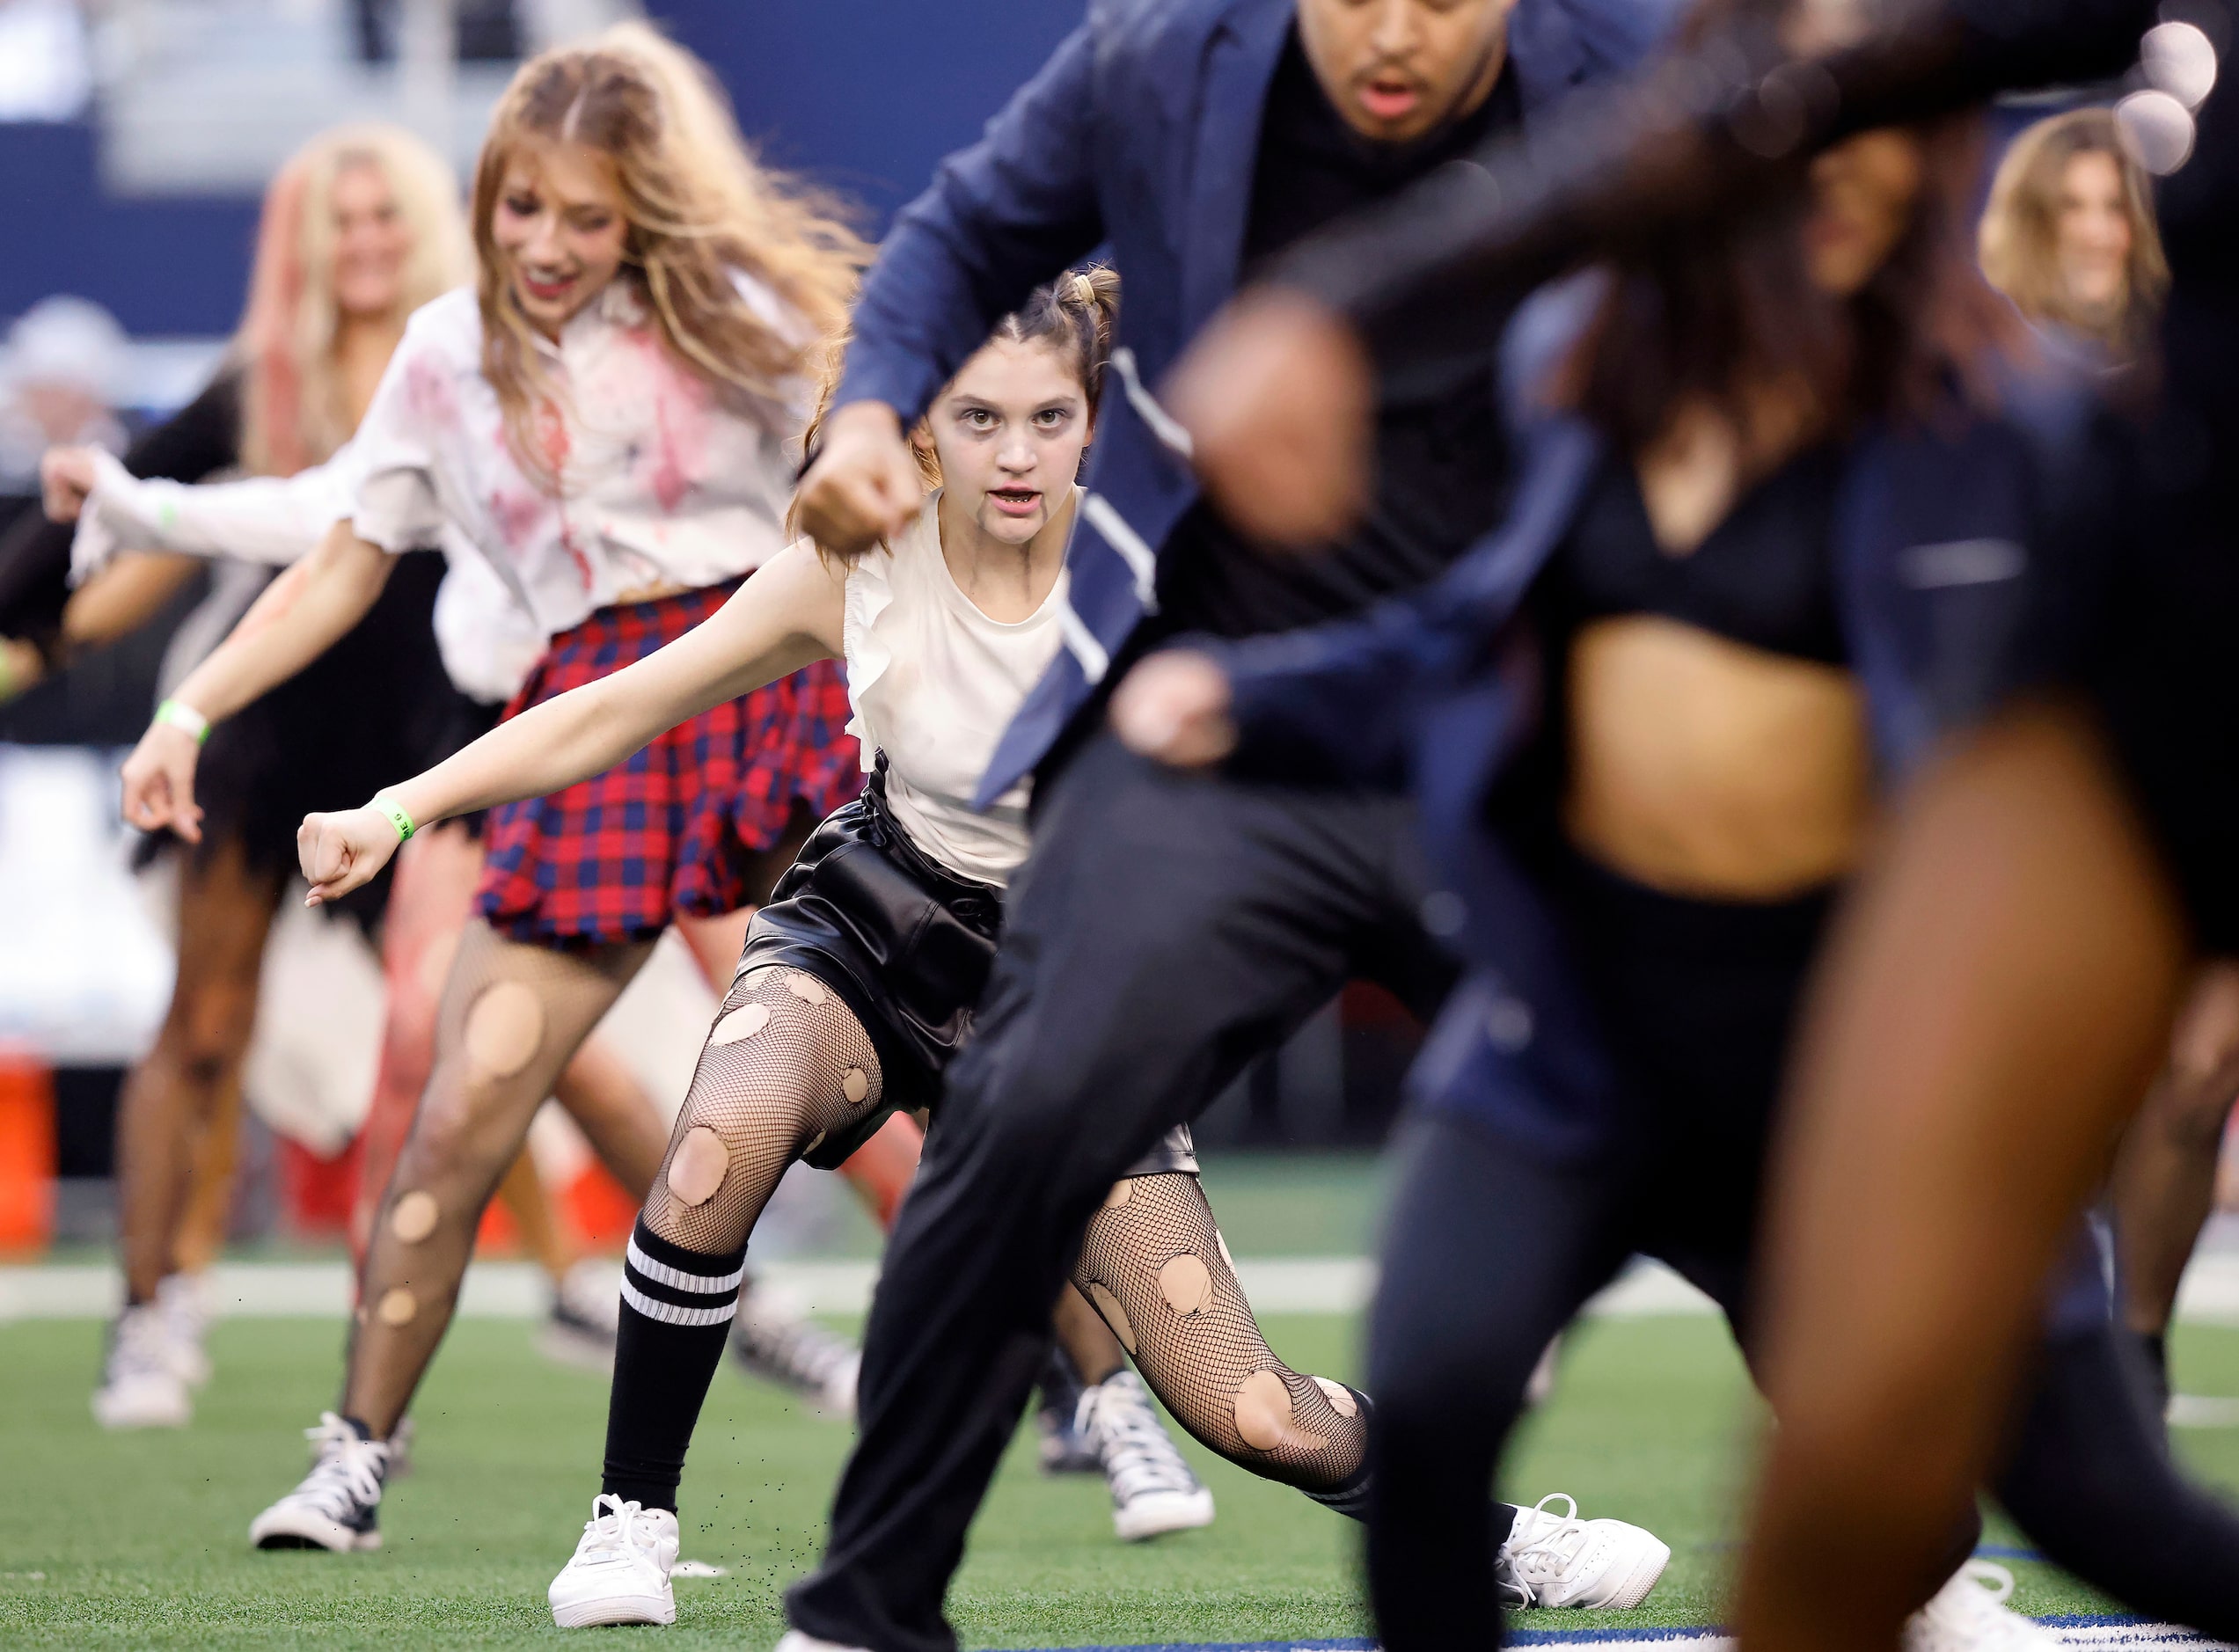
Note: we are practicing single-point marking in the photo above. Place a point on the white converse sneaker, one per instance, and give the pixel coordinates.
(1970, 1614)
(140, 1386)
(773, 1340)
(620, 1572)
(185, 1301)
(1153, 1491)
(1558, 1560)
(338, 1506)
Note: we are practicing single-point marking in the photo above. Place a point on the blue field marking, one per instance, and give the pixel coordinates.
(2081, 1631)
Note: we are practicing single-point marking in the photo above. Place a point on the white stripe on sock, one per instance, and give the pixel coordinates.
(677, 1279)
(669, 1314)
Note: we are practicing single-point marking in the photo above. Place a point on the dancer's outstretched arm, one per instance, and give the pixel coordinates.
(788, 616)
(301, 615)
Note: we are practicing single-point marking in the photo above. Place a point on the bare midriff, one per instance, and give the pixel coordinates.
(652, 593)
(1709, 769)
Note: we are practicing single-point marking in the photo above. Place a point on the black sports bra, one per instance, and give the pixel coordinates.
(1764, 577)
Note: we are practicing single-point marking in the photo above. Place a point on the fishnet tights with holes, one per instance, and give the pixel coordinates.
(510, 1018)
(1153, 1265)
(786, 1063)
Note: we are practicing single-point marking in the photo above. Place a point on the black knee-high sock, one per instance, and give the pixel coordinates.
(677, 1310)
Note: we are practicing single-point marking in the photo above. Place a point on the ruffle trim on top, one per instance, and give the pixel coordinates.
(870, 593)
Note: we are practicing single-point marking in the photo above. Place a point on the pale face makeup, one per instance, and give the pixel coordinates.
(1009, 431)
(2093, 233)
(1396, 70)
(1863, 195)
(560, 227)
(372, 243)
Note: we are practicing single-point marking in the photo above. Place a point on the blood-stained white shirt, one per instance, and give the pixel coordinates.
(660, 481)
(489, 642)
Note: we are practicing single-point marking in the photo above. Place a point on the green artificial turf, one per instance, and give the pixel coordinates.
(109, 1540)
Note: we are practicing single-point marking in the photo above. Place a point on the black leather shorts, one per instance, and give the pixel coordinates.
(907, 944)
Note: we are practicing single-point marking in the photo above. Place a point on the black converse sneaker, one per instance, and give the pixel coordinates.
(338, 1505)
(1153, 1491)
(1065, 1446)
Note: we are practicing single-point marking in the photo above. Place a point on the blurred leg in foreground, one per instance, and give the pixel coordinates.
(1993, 1008)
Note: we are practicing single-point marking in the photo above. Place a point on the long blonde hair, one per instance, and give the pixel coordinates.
(699, 208)
(2019, 239)
(294, 411)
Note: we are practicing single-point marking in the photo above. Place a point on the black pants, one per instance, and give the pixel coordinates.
(1453, 1339)
(1167, 930)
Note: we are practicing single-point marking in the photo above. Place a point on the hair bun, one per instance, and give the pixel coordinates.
(1083, 291)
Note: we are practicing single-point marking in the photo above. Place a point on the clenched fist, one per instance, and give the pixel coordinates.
(66, 477)
(1279, 399)
(340, 851)
(864, 487)
(1174, 708)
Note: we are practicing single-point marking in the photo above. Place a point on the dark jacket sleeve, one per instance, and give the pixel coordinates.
(201, 439)
(1001, 217)
(1726, 121)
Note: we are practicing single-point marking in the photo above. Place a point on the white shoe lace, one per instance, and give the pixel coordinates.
(617, 1527)
(1139, 1459)
(1543, 1547)
(347, 1474)
(792, 1348)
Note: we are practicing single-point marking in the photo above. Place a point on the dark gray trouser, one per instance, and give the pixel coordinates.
(1167, 930)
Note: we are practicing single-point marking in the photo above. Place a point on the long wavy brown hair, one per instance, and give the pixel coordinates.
(293, 410)
(700, 206)
(2021, 230)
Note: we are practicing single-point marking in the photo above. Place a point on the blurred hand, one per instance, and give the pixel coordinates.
(1279, 396)
(864, 487)
(1174, 708)
(21, 666)
(159, 782)
(66, 477)
(339, 853)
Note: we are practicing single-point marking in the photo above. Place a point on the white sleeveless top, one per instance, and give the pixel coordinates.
(935, 683)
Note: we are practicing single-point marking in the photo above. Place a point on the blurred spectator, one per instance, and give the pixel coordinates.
(63, 373)
(2069, 233)
(46, 72)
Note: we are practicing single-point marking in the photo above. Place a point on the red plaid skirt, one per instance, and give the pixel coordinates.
(672, 830)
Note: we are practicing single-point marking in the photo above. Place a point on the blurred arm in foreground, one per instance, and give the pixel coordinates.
(1278, 391)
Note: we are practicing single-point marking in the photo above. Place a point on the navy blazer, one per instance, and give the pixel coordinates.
(1969, 554)
(1140, 135)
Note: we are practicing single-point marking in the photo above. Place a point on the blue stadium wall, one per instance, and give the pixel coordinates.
(867, 95)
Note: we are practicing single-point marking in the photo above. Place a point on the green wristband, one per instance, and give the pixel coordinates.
(185, 717)
(397, 817)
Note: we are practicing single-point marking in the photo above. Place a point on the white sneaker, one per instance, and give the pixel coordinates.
(773, 1340)
(140, 1387)
(184, 1299)
(620, 1572)
(338, 1505)
(793, 1640)
(1558, 1560)
(1970, 1614)
(586, 1312)
(1153, 1491)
